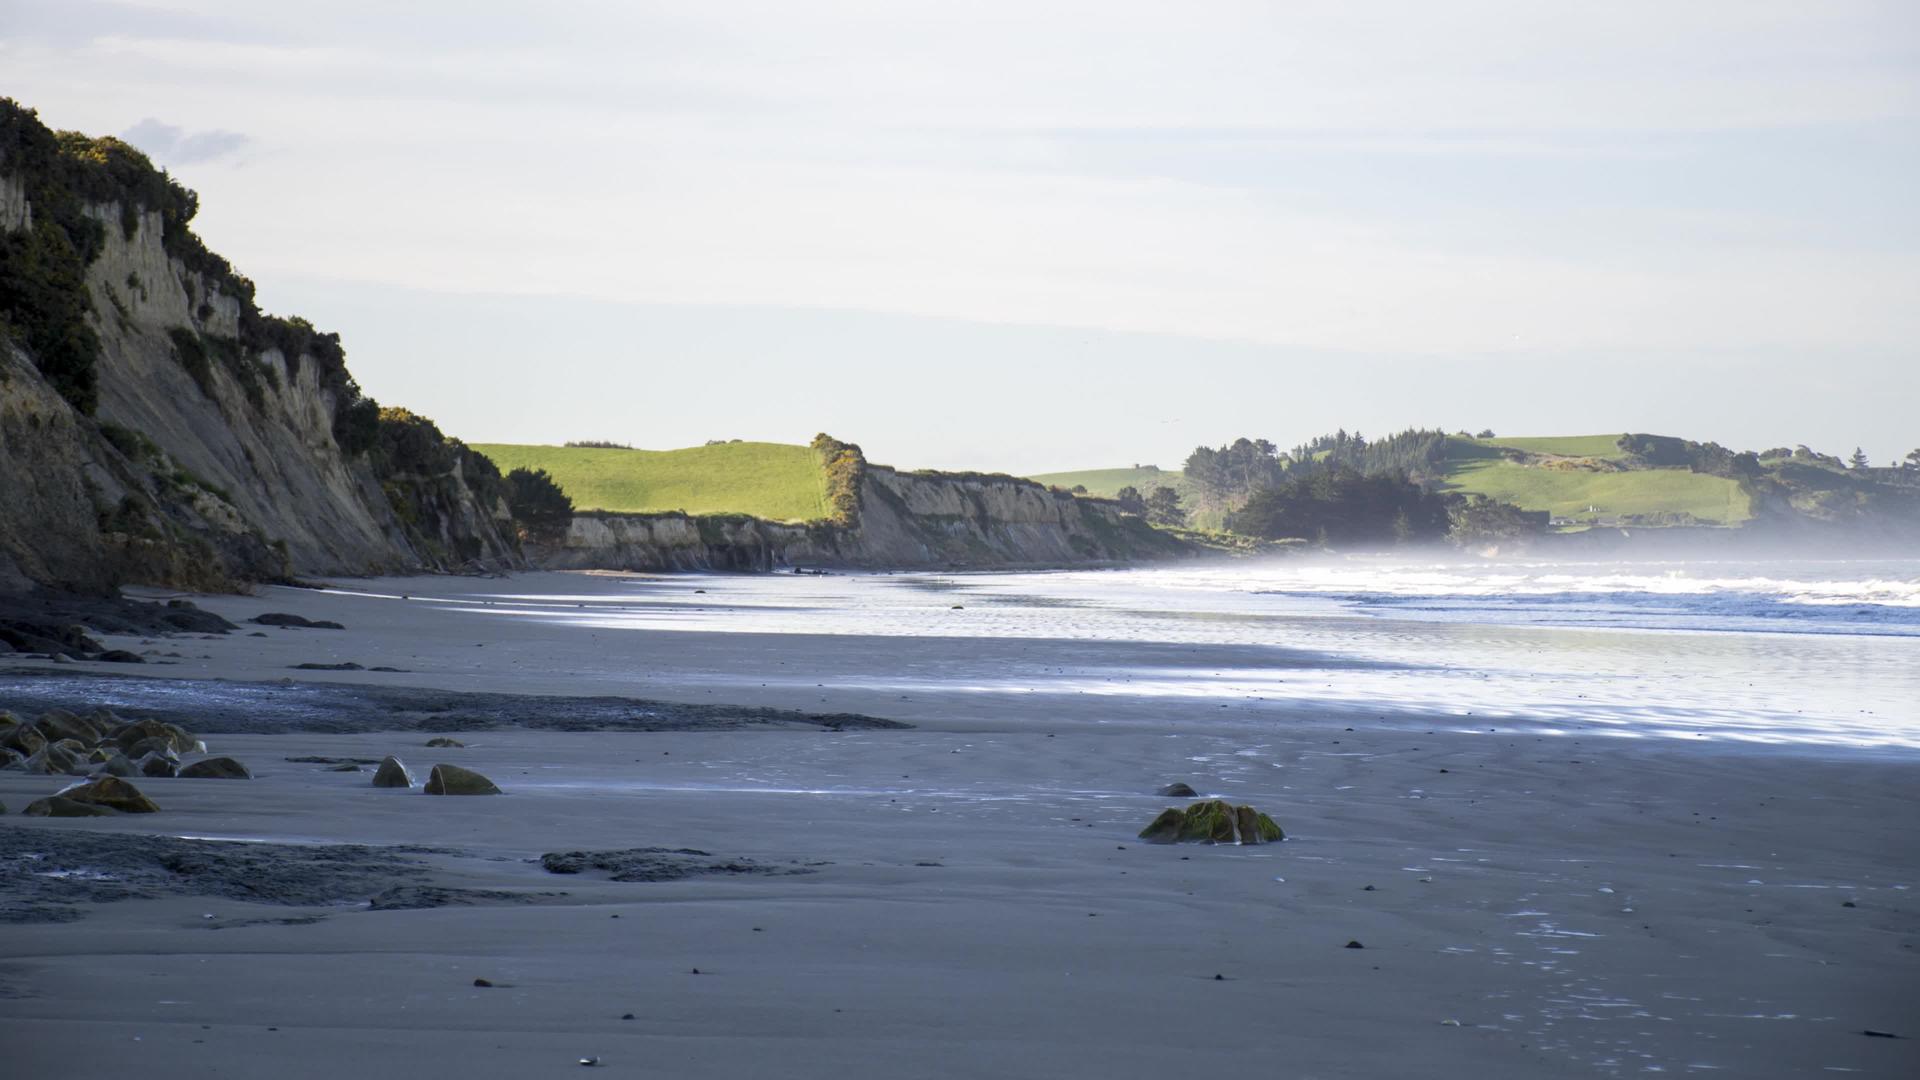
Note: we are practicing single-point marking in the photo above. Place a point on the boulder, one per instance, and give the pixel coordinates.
(1256, 827)
(1213, 821)
(145, 747)
(120, 656)
(131, 737)
(214, 768)
(9, 758)
(57, 806)
(159, 766)
(441, 742)
(279, 618)
(24, 738)
(1176, 791)
(55, 759)
(392, 773)
(112, 793)
(57, 724)
(116, 765)
(454, 780)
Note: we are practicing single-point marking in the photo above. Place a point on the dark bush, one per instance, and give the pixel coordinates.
(537, 502)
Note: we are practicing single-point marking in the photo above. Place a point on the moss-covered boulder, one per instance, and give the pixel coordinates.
(134, 737)
(454, 780)
(112, 793)
(1212, 821)
(25, 739)
(158, 766)
(1256, 827)
(214, 768)
(392, 773)
(116, 764)
(59, 806)
(57, 724)
(56, 759)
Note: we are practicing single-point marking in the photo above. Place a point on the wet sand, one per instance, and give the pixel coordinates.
(977, 904)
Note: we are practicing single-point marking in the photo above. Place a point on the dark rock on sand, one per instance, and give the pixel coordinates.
(57, 724)
(339, 708)
(411, 897)
(318, 759)
(279, 618)
(215, 768)
(348, 767)
(1214, 821)
(59, 867)
(442, 742)
(348, 666)
(9, 758)
(157, 765)
(138, 737)
(392, 773)
(56, 759)
(116, 764)
(121, 656)
(1176, 791)
(56, 806)
(25, 739)
(657, 864)
(112, 793)
(454, 780)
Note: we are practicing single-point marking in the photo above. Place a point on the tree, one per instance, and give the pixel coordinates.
(537, 503)
(1913, 460)
(1341, 505)
(1478, 520)
(1485, 433)
(1858, 460)
(1163, 508)
(1130, 501)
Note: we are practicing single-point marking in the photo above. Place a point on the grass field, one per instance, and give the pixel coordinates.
(768, 480)
(1476, 467)
(1107, 482)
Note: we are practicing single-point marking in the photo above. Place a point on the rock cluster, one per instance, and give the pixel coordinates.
(107, 750)
(1214, 821)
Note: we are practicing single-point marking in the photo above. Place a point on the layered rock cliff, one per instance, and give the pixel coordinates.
(884, 519)
(156, 427)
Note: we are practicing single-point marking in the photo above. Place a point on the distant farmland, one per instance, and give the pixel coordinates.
(768, 480)
(1558, 486)
(1553, 481)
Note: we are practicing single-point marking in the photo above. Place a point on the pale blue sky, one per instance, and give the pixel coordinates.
(1048, 235)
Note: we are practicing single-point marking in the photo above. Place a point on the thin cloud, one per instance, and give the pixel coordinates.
(174, 145)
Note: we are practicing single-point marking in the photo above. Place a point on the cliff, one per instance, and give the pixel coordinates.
(156, 427)
(884, 519)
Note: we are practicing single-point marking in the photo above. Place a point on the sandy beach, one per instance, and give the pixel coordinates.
(962, 897)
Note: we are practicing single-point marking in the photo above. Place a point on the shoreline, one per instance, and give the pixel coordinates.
(975, 898)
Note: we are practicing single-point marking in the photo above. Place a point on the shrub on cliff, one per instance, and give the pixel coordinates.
(538, 504)
(845, 467)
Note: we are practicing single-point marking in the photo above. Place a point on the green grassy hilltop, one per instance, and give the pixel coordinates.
(768, 480)
(1569, 474)
(1106, 482)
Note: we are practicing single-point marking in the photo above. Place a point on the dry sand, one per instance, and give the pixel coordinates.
(978, 905)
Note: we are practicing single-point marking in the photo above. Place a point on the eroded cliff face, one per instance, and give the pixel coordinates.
(201, 454)
(905, 521)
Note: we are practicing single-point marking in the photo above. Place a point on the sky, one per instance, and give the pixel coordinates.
(1049, 235)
